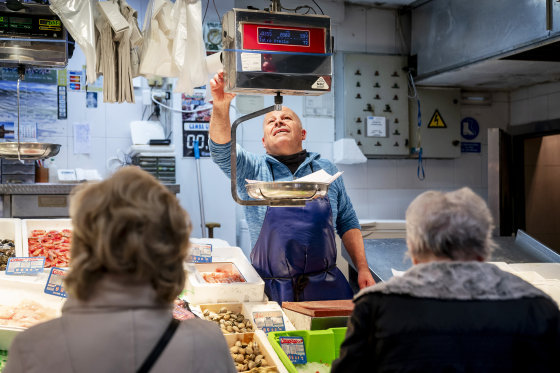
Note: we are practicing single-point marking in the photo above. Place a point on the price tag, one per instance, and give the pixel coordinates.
(294, 348)
(25, 265)
(54, 284)
(200, 253)
(269, 321)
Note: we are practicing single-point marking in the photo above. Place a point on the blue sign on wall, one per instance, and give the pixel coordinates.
(470, 147)
(469, 128)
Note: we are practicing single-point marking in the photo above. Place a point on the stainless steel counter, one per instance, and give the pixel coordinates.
(384, 255)
(41, 200)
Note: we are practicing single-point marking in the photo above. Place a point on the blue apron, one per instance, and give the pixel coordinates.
(295, 254)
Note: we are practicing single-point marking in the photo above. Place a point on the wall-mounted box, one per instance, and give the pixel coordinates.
(440, 133)
(372, 103)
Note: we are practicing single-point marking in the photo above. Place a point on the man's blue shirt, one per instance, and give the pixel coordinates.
(263, 167)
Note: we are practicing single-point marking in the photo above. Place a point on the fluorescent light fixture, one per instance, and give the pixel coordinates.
(476, 98)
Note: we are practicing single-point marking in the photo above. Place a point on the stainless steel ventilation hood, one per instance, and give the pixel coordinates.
(481, 44)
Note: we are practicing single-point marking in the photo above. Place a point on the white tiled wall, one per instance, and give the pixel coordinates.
(535, 103)
(109, 127)
(380, 188)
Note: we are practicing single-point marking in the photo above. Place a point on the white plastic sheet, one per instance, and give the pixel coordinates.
(173, 43)
(157, 47)
(189, 51)
(78, 18)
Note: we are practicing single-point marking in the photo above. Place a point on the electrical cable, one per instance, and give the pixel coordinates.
(295, 10)
(177, 110)
(205, 10)
(420, 168)
(412, 87)
(144, 112)
(216, 9)
(323, 13)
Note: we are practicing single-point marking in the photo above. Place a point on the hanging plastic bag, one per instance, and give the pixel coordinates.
(189, 52)
(136, 38)
(126, 89)
(157, 46)
(78, 18)
(106, 55)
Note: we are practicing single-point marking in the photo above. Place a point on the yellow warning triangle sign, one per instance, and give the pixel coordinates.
(437, 121)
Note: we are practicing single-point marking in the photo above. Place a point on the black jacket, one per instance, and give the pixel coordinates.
(472, 323)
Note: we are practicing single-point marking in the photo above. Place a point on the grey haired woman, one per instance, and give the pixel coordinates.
(451, 312)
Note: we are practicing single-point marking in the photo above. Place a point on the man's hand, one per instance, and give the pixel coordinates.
(220, 130)
(354, 244)
(365, 278)
(217, 90)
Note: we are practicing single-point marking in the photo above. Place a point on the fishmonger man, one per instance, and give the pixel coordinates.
(294, 247)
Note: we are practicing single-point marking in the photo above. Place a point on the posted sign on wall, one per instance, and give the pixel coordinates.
(196, 122)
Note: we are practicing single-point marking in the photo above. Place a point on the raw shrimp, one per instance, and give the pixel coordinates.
(53, 245)
(25, 314)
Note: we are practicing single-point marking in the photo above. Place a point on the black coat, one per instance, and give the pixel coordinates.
(398, 332)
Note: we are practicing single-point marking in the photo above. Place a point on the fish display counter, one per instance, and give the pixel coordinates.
(23, 303)
(221, 287)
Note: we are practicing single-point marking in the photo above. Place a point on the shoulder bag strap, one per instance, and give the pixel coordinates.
(159, 347)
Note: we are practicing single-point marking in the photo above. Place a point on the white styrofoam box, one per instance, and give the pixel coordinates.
(200, 292)
(541, 275)
(266, 348)
(227, 253)
(28, 225)
(246, 309)
(11, 230)
(234, 307)
(12, 292)
(549, 271)
(215, 242)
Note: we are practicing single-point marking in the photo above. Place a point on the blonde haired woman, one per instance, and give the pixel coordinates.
(130, 237)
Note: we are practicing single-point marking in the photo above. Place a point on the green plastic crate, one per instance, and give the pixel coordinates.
(321, 346)
(3, 359)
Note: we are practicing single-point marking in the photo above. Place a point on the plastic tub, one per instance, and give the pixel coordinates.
(264, 345)
(321, 346)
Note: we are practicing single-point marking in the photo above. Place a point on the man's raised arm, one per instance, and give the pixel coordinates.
(220, 127)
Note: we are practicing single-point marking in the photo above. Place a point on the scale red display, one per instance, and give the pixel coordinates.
(283, 38)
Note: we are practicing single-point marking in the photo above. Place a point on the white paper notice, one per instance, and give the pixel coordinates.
(250, 61)
(376, 127)
(82, 138)
(320, 176)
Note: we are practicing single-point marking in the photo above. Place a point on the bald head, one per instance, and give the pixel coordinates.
(282, 132)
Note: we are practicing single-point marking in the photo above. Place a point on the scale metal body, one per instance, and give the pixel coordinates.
(30, 37)
(281, 54)
(274, 52)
